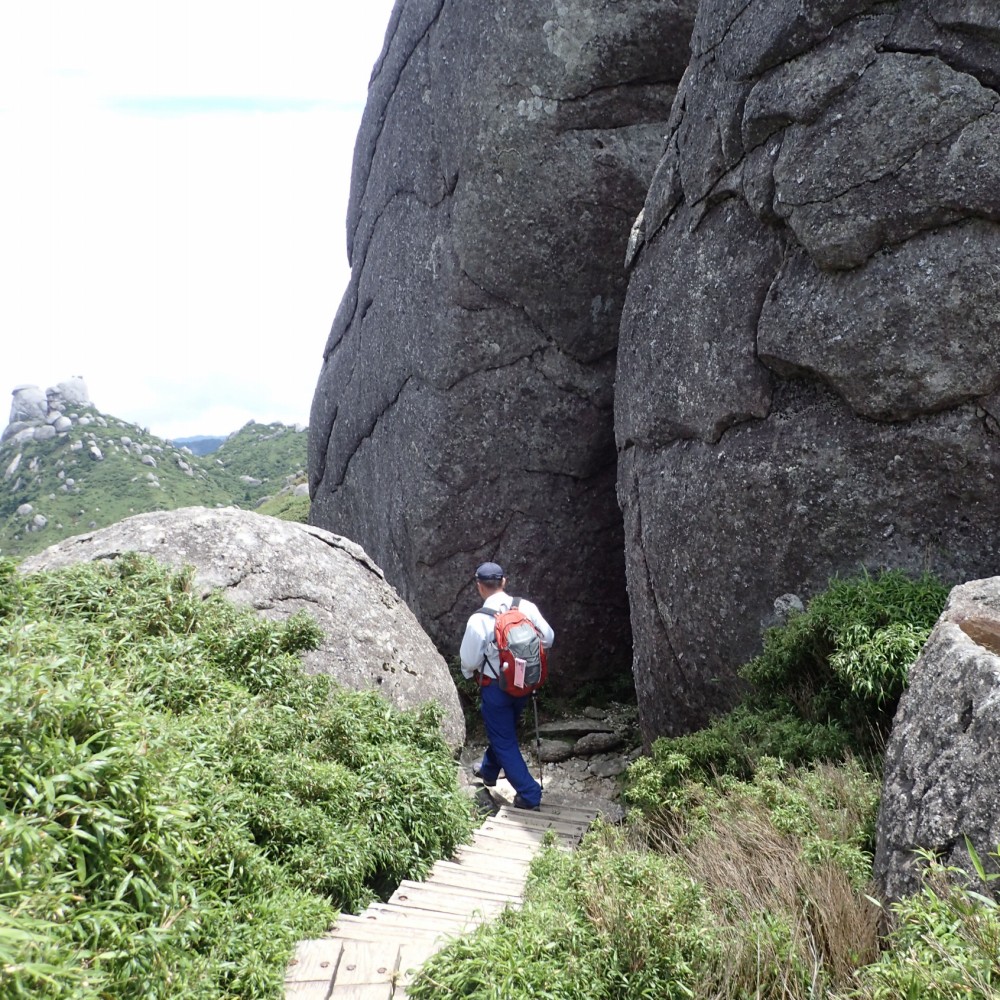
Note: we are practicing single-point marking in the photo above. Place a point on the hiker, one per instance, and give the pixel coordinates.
(500, 710)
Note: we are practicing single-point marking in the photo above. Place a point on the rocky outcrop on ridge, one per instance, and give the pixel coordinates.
(65, 467)
(38, 416)
(942, 764)
(808, 366)
(281, 567)
(464, 409)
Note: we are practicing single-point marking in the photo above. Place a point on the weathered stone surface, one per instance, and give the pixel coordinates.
(887, 355)
(942, 765)
(683, 381)
(281, 567)
(913, 145)
(71, 394)
(808, 341)
(574, 727)
(554, 751)
(464, 409)
(606, 766)
(593, 743)
(28, 404)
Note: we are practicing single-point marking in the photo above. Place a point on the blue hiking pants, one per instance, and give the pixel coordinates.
(500, 714)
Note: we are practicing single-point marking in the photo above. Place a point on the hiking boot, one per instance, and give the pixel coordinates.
(521, 803)
(477, 770)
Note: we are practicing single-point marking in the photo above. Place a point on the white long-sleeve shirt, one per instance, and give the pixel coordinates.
(479, 643)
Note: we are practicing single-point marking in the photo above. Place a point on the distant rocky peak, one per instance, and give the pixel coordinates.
(32, 408)
(31, 404)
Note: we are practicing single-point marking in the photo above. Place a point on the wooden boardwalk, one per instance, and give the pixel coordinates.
(374, 955)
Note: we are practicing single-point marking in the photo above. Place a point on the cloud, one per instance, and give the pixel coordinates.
(211, 105)
(174, 197)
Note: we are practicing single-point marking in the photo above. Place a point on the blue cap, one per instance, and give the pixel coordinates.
(489, 571)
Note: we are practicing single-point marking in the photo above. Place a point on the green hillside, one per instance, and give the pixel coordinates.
(260, 460)
(102, 469)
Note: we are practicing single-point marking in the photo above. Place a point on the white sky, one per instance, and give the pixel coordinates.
(173, 189)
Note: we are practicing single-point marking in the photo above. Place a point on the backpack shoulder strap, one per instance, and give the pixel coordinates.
(489, 611)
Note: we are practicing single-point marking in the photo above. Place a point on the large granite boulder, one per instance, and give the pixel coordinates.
(942, 765)
(281, 567)
(808, 363)
(28, 404)
(464, 408)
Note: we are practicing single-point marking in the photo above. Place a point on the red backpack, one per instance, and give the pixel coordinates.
(523, 662)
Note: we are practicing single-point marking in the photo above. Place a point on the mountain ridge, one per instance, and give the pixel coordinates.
(67, 468)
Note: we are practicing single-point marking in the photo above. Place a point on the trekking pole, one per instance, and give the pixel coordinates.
(538, 742)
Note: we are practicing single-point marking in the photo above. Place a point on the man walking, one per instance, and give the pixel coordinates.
(500, 710)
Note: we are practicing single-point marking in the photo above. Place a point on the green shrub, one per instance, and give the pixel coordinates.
(179, 802)
(944, 943)
(784, 864)
(825, 685)
(288, 507)
(845, 659)
(748, 889)
(732, 745)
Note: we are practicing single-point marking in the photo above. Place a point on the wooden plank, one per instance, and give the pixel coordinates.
(486, 861)
(314, 961)
(536, 821)
(565, 810)
(491, 861)
(409, 914)
(309, 991)
(514, 834)
(451, 873)
(389, 928)
(512, 847)
(363, 991)
(346, 925)
(501, 848)
(437, 899)
(367, 971)
(357, 929)
(316, 990)
(404, 918)
(476, 887)
(411, 959)
(408, 892)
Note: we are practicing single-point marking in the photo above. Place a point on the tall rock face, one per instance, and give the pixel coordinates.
(809, 363)
(464, 409)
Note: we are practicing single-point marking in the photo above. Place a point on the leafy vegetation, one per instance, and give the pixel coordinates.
(844, 660)
(945, 941)
(826, 684)
(287, 506)
(272, 454)
(179, 802)
(73, 490)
